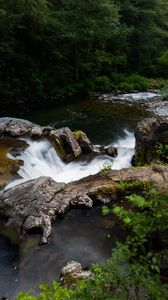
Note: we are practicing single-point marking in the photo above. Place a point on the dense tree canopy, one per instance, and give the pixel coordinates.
(55, 47)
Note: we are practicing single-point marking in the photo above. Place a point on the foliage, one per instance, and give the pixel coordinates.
(161, 151)
(163, 61)
(164, 92)
(55, 292)
(58, 48)
(136, 269)
(134, 82)
(107, 167)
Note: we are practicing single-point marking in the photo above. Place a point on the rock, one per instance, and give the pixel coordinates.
(65, 143)
(71, 273)
(36, 203)
(19, 127)
(83, 200)
(31, 205)
(148, 133)
(111, 151)
(83, 141)
(63, 139)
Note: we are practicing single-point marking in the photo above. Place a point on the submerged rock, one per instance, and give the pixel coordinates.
(148, 134)
(71, 273)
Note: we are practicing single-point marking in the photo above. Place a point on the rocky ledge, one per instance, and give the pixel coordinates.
(37, 203)
(68, 144)
(14, 132)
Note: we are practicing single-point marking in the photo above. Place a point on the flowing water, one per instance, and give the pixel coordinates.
(41, 159)
(83, 234)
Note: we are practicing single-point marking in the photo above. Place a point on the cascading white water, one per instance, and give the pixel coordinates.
(41, 159)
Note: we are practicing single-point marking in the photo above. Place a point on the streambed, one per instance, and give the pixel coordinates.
(83, 235)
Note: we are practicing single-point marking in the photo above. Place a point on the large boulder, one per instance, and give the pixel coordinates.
(18, 127)
(83, 141)
(31, 205)
(148, 134)
(35, 204)
(65, 143)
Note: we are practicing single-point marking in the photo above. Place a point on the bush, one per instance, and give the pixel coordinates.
(164, 92)
(134, 82)
(102, 84)
(162, 152)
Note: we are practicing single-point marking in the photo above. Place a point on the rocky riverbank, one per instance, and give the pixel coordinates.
(152, 101)
(37, 203)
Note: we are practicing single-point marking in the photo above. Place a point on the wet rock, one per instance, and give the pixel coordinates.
(63, 139)
(71, 273)
(31, 205)
(159, 107)
(83, 141)
(111, 151)
(18, 127)
(148, 133)
(83, 200)
(36, 203)
(65, 143)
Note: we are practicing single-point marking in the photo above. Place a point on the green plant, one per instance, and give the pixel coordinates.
(53, 292)
(161, 151)
(107, 167)
(164, 92)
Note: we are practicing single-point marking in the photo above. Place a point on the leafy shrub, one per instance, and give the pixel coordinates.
(164, 92)
(162, 152)
(134, 82)
(126, 87)
(102, 84)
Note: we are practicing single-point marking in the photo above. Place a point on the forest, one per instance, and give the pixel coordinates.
(55, 48)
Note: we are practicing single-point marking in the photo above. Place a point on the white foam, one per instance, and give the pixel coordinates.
(140, 96)
(41, 159)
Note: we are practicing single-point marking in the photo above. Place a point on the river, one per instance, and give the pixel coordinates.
(83, 234)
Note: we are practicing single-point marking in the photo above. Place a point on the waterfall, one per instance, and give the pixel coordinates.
(41, 159)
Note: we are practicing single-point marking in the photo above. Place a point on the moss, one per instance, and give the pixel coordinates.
(59, 147)
(78, 134)
(8, 166)
(117, 190)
